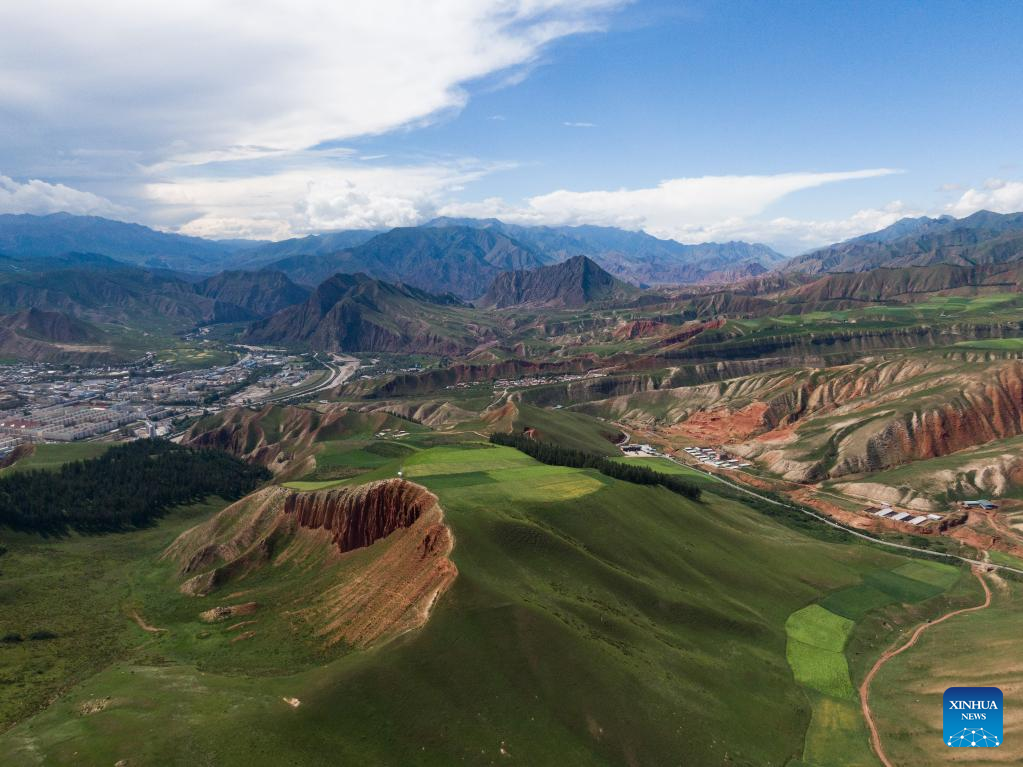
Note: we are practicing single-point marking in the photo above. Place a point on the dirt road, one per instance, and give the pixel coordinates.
(868, 715)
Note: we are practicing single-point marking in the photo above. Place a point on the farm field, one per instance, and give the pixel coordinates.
(818, 647)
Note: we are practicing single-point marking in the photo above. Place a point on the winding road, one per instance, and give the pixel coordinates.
(875, 737)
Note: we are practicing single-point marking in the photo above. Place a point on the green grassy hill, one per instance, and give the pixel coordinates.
(592, 622)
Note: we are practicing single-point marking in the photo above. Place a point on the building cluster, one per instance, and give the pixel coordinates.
(67, 423)
(887, 512)
(641, 451)
(716, 458)
(46, 403)
(503, 384)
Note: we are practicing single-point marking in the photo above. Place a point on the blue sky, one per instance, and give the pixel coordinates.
(791, 123)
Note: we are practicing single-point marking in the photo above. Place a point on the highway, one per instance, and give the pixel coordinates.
(340, 368)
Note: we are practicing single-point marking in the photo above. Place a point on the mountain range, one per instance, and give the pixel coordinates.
(354, 312)
(445, 254)
(41, 336)
(636, 257)
(451, 259)
(102, 290)
(983, 238)
(28, 236)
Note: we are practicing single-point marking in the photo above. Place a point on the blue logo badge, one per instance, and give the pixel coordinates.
(973, 717)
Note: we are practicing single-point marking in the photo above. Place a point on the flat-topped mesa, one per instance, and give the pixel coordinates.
(359, 516)
(359, 599)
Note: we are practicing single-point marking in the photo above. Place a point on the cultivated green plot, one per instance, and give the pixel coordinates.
(313, 484)
(933, 573)
(819, 627)
(856, 601)
(823, 670)
(549, 483)
(837, 735)
(901, 588)
(457, 459)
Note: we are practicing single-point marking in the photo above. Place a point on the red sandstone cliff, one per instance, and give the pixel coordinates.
(360, 516)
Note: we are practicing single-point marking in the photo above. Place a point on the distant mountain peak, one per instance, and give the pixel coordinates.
(576, 282)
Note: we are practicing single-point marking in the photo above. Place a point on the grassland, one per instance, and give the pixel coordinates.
(568, 429)
(184, 356)
(78, 588)
(979, 649)
(572, 588)
(52, 456)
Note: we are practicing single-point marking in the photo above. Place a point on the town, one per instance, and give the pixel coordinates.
(147, 398)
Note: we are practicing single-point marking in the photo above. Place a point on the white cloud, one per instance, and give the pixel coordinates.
(310, 199)
(206, 110)
(39, 197)
(687, 209)
(792, 235)
(997, 195)
(196, 76)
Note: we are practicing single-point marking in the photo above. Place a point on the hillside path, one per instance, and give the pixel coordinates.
(868, 715)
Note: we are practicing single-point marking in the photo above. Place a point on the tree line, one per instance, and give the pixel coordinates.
(556, 455)
(127, 487)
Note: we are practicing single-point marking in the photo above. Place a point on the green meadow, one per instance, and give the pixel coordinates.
(55, 455)
(572, 588)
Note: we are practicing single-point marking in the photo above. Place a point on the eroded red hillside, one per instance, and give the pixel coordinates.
(357, 599)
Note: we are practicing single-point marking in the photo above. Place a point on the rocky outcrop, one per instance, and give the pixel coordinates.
(984, 410)
(438, 378)
(874, 417)
(361, 516)
(282, 438)
(627, 331)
